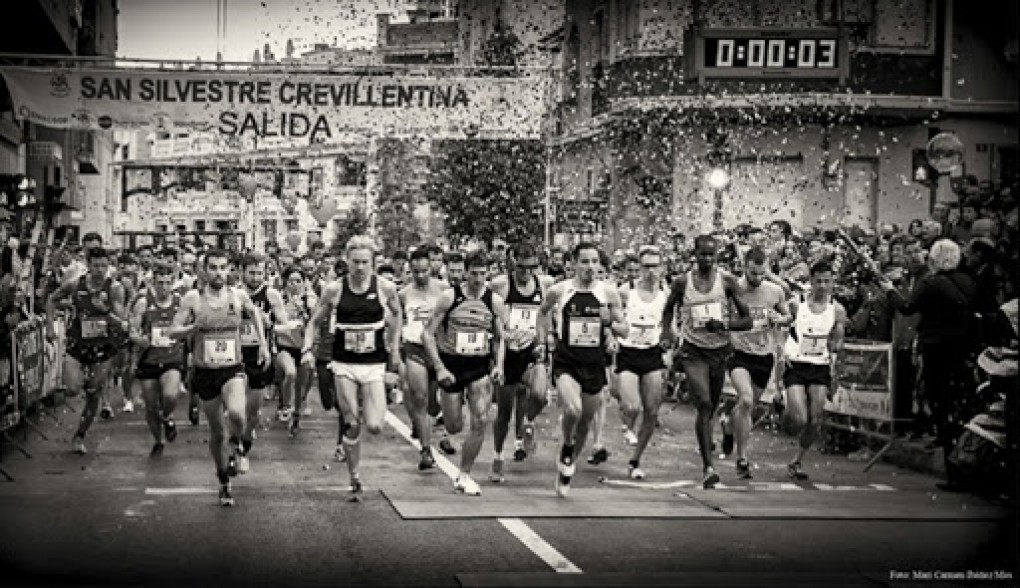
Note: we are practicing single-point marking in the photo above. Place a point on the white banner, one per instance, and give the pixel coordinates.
(864, 381)
(316, 107)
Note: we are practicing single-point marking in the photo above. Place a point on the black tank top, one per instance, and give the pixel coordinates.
(359, 326)
(260, 300)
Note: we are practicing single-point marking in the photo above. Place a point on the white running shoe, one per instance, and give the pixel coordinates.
(306, 410)
(242, 464)
(129, 407)
(340, 455)
(636, 473)
(465, 484)
(78, 445)
(629, 436)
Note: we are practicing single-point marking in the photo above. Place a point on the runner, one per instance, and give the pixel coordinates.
(128, 274)
(161, 359)
(296, 381)
(463, 335)
(704, 295)
(599, 452)
(418, 300)
(212, 317)
(97, 330)
(583, 307)
(259, 376)
(751, 365)
(816, 337)
(639, 363)
(358, 307)
(323, 351)
(525, 391)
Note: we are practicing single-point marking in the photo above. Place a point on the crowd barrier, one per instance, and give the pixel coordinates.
(864, 394)
(30, 375)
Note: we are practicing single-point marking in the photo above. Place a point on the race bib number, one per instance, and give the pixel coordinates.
(584, 332)
(813, 346)
(160, 337)
(93, 328)
(359, 341)
(221, 351)
(413, 331)
(249, 338)
(523, 318)
(643, 334)
(702, 313)
(472, 344)
(759, 318)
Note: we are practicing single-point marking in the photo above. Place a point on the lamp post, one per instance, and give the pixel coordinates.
(717, 178)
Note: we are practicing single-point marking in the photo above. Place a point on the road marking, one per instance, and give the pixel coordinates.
(516, 527)
(180, 491)
(752, 486)
(539, 546)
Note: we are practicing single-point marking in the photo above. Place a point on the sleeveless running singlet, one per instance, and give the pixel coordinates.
(644, 319)
(522, 314)
(467, 326)
(156, 321)
(260, 300)
(579, 325)
(218, 333)
(809, 338)
(759, 339)
(359, 325)
(698, 309)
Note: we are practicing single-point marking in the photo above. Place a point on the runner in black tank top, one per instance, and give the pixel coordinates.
(366, 316)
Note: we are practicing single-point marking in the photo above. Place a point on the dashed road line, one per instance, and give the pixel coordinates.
(523, 533)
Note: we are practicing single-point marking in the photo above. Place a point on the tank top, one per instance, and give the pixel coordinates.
(579, 325)
(809, 337)
(522, 314)
(698, 308)
(298, 313)
(92, 323)
(217, 340)
(359, 325)
(260, 300)
(467, 326)
(644, 319)
(156, 321)
(418, 308)
(760, 339)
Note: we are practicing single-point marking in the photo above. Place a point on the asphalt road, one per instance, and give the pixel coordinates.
(118, 517)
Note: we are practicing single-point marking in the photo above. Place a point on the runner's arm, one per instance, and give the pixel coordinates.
(617, 321)
(673, 300)
(428, 336)
(498, 320)
(836, 338)
(62, 291)
(117, 295)
(137, 314)
(184, 321)
(321, 313)
(394, 319)
(281, 319)
(249, 306)
(543, 327)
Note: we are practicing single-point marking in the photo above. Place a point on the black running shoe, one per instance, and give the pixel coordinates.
(599, 456)
(520, 454)
(169, 430)
(711, 479)
(796, 471)
(226, 498)
(157, 450)
(232, 469)
(427, 462)
(295, 426)
(357, 491)
(447, 447)
(193, 414)
(744, 469)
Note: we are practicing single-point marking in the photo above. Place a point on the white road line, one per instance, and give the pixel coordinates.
(539, 547)
(517, 528)
(180, 491)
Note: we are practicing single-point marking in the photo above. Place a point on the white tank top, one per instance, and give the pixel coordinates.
(644, 319)
(809, 340)
(698, 308)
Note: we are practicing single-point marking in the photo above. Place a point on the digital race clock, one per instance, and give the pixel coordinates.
(769, 53)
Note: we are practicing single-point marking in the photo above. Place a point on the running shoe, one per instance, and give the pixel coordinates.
(711, 478)
(193, 414)
(529, 438)
(427, 461)
(106, 412)
(629, 436)
(599, 456)
(340, 455)
(169, 430)
(78, 445)
(357, 491)
(128, 408)
(447, 447)
(243, 465)
(466, 485)
(295, 426)
(744, 469)
(157, 450)
(284, 414)
(226, 498)
(496, 476)
(634, 471)
(520, 453)
(796, 471)
(232, 462)
(565, 472)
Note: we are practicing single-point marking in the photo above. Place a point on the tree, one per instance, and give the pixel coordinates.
(356, 223)
(395, 221)
(490, 188)
(501, 48)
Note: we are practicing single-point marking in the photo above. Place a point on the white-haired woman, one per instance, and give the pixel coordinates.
(944, 299)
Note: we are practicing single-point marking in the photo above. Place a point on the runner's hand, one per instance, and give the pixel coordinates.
(497, 376)
(308, 358)
(264, 358)
(445, 377)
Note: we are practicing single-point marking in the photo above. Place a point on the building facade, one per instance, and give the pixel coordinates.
(815, 110)
(72, 166)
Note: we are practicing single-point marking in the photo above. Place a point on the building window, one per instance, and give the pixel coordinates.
(315, 182)
(269, 230)
(292, 225)
(350, 172)
(200, 225)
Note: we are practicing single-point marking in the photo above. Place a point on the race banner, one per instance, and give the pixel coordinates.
(863, 382)
(291, 105)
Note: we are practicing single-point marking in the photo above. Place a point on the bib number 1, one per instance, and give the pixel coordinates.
(472, 344)
(221, 351)
(359, 341)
